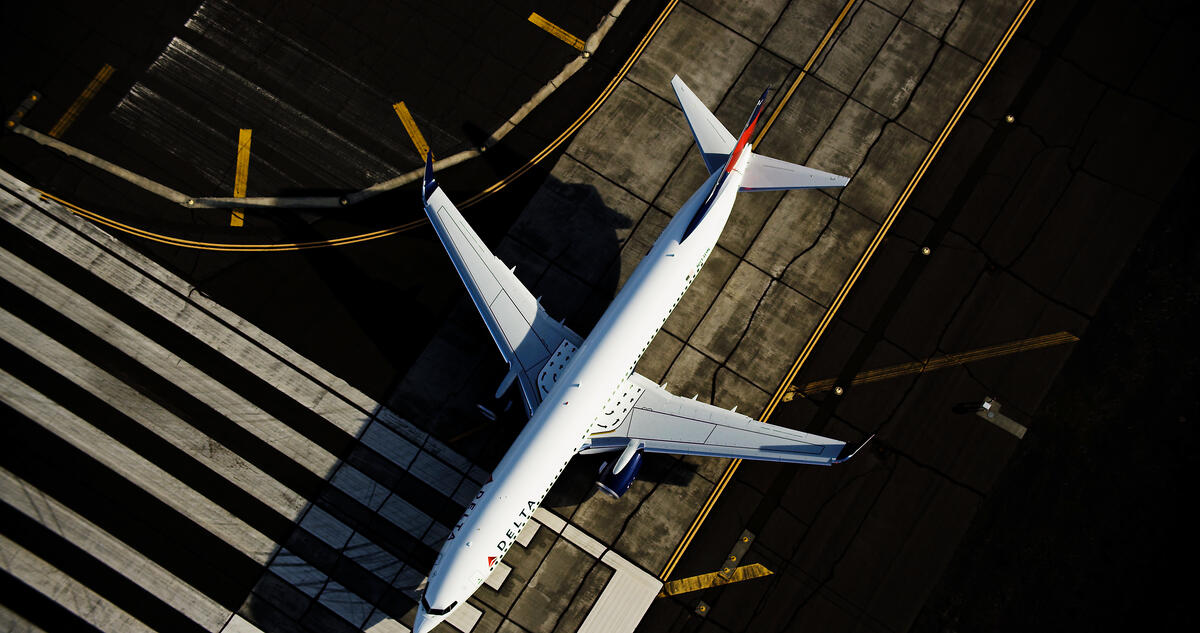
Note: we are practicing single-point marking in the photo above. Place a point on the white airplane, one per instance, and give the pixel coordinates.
(582, 395)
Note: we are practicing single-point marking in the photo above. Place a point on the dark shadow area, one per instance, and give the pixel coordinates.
(1084, 527)
(566, 251)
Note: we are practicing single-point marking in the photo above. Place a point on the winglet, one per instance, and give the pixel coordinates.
(430, 184)
(855, 451)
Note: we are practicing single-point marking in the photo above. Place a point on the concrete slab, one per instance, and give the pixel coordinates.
(691, 374)
(819, 271)
(362, 488)
(324, 526)
(113, 552)
(940, 91)
(584, 602)
(615, 142)
(659, 356)
(706, 54)
(735, 390)
(578, 220)
(933, 16)
(751, 20)
(796, 226)
(725, 323)
(845, 144)
(875, 189)
(909, 536)
(543, 601)
(800, 29)
(980, 24)
(659, 523)
(345, 603)
(698, 300)
(803, 121)
(781, 322)
(856, 46)
(895, 72)
(604, 516)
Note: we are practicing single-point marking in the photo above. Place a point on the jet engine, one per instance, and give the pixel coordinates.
(616, 477)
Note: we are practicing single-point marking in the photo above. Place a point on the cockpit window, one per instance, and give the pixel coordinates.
(431, 611)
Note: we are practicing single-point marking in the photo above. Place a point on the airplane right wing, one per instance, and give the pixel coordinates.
(661, 422)
(526, 335)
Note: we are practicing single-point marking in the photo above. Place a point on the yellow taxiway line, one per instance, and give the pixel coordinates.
(81, 101)
(400, 228)
(936, 362)
(556, 31)
(410, 126)
(858, 269)
(804, 71)
(713, 579)
(720, 487)
(241, 175)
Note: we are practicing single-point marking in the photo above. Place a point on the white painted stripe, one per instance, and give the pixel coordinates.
(166, 364)
(12, 622)
(345, 603)
(238, 624)
(128, 464)
(298, 573)
(66, 591)
(165, 293)
(464, 618)
(211, 323)
(379, 623)
(498, 576)
(584, 541)
(549, 519)
(111, 551)
(162, 422)
(624, 601)
(527, 533)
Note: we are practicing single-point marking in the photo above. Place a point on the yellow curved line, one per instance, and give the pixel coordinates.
(373, 235)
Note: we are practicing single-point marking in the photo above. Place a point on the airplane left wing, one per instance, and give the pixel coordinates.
(664, 423)
(528, 338)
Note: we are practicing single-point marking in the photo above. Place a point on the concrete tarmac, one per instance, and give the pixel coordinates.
(286, 510)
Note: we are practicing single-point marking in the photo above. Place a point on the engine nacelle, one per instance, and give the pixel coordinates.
(615, 485)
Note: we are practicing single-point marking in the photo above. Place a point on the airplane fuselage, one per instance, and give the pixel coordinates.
(587, 386)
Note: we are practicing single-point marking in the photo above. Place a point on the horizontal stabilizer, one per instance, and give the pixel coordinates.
(715, 142)
(764, 173)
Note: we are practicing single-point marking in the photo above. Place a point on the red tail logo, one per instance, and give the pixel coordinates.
(491, 560)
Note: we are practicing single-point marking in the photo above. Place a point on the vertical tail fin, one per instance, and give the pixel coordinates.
(430, 185)
(715, 142)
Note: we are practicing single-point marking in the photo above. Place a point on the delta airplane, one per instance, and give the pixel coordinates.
(581, 394)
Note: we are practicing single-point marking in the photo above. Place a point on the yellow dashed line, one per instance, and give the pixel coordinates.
(556, 31)
(714, 579)
(410, 126)
(81, 101)
(936, 362)
(400, 228)
(241, 174)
